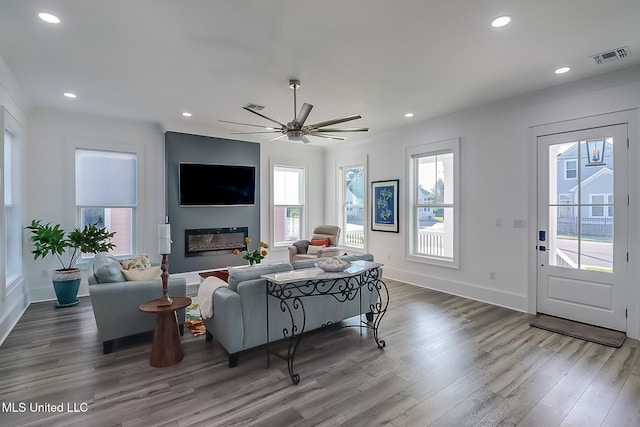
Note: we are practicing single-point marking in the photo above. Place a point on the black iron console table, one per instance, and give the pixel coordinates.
(291, 287)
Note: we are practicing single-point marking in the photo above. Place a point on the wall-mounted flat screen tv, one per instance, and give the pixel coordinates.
(216, 185)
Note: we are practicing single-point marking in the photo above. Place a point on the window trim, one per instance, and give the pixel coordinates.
(304, 218)
(452, 146)
(341, 206)
(139, 210)
(273, 205)
(9, 125)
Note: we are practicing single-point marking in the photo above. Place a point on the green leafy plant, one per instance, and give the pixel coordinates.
(50, 239)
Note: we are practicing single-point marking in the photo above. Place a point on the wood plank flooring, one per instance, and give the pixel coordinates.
(449, 361)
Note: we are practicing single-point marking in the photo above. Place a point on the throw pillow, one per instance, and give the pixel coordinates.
(141, 262)
(107, 269)
(301, 246)
(313, 250)
(146, 274)
(321, 242)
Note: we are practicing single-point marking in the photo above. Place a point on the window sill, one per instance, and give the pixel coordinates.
(440, 262)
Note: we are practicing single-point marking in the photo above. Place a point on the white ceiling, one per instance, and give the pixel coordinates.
(154, 59)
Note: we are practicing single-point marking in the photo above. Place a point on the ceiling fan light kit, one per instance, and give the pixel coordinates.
(296, 130)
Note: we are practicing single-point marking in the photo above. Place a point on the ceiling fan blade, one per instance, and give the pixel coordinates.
(336, 121)
(263, 116)
(339, 138)
(249, 133)
(304, 113)
(278, 137)
(306, 140)
(343, 130)
(245, 124)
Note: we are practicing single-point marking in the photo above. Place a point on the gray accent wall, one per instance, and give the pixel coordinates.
(181, 147)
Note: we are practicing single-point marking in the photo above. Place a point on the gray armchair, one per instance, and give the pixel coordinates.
(116, 301)
(300, 249)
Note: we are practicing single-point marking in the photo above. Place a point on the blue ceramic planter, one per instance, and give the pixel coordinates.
(66, 283)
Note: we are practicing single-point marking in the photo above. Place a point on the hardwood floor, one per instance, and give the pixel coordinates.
(449, 361)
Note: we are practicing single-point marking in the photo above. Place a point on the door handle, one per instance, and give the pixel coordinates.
(542, 248)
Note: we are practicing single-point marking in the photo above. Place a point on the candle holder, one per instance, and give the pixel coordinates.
(165, 301)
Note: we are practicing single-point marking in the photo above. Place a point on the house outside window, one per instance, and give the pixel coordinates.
(111, 206)
(288, 204)
(352, 184)
(434, 200)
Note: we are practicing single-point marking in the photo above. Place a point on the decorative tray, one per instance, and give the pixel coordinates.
(332, 268)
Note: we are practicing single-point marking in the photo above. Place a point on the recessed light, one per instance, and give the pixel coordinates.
(408, 115)
(70, 95)
(186, 114)
(500, 21)
(47, 17)
(562, 70)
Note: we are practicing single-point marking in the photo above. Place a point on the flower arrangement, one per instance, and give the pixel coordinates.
(254, 256)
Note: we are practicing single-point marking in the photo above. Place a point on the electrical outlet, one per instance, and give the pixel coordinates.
(492, 275)
(499, 222)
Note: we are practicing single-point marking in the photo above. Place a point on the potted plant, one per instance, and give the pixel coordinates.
(50, 239)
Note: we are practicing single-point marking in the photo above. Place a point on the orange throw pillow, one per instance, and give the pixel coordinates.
(320, 242)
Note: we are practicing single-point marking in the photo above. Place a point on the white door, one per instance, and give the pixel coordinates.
(582, 226)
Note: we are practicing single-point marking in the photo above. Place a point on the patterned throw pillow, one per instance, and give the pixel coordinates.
(141, 262)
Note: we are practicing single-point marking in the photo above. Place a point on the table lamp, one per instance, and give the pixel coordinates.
(164, 248)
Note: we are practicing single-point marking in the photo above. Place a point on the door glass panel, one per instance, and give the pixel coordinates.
(581, 192)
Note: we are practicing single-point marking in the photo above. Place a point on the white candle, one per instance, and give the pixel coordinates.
(164, 239)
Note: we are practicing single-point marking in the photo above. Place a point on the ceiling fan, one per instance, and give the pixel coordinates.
(296, 130)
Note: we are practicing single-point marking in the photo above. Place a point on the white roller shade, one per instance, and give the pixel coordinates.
(105, 178)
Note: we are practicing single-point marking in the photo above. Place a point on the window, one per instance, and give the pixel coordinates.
(106, 194)
(12, 222)
(599, 207)
(571, 169)
(288, 204)
(565, 211)
(433, 185)
(352, 184)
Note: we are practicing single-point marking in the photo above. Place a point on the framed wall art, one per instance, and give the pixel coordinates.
(384, 205)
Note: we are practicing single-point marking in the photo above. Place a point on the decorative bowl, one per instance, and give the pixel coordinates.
(332, 268)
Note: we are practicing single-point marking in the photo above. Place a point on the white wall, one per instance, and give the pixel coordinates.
(50, 188)
(496, 176)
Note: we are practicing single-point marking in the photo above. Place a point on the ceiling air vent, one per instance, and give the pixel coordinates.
(255, 107)
(612, 55)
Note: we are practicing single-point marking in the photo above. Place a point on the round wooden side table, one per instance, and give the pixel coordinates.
(166, 349)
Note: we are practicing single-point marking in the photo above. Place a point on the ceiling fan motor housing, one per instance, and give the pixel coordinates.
(295, 134)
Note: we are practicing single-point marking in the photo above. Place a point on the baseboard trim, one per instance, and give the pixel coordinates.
(462, 289)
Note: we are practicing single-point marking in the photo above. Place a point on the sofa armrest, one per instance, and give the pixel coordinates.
(227, 324)
(116, 305)
(292, 251)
